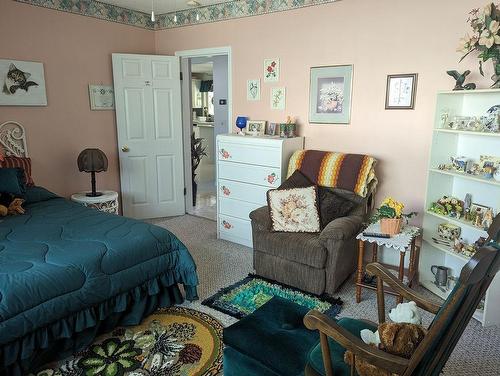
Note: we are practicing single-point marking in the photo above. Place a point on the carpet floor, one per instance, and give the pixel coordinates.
(221, 263)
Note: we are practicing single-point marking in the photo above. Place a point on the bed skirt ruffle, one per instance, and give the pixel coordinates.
(74, 333)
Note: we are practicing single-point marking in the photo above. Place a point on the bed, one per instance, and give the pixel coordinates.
(68, 273)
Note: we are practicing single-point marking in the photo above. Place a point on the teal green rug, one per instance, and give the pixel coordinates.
(245, 296)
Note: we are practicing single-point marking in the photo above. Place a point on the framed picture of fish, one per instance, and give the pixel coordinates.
(22, 83)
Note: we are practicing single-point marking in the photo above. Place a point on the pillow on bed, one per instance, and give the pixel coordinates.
(20, 162)
(37, 194)
(12, 181)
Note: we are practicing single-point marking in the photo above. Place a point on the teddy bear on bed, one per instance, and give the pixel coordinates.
(10, 204)
(401, 337)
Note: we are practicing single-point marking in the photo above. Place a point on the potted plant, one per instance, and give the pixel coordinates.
(390, 214)
(485, 39)
(197, 153)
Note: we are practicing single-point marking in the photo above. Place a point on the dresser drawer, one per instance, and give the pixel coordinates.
(242, 191)
(250, 154)
(235, 228)
(265, 176)
(236, 208)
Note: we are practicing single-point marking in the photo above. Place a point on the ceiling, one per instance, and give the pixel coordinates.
(160, 6)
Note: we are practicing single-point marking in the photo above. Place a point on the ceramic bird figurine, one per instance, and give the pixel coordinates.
(460, 79)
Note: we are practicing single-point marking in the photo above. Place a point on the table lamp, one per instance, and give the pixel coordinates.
(92, 160)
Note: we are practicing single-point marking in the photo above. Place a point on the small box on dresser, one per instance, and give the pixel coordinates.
(247, 167)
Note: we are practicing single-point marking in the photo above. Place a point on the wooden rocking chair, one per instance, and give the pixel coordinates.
(443, 334)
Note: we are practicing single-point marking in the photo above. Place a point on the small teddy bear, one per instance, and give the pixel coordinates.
(403, 313)
(399, 339)
(10, 204)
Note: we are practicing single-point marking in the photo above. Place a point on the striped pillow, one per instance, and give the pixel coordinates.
(19, 162)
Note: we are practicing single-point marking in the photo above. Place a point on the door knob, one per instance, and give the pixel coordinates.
(125, 149)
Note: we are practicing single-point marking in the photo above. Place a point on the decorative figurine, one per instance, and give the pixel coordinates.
(467, 204)
(460, 79)
(487, 219)
(478, 219)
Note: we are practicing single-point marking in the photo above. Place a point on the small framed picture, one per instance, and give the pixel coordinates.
(271, 129)
(400, 91)
(102, 97)
(271, 70)
(253, 90)
(256, 127)
(278, 98)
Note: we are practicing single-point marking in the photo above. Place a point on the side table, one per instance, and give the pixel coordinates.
(107, 202)
(402, 242)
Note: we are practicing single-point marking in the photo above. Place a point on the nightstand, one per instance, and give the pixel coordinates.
(107, 202)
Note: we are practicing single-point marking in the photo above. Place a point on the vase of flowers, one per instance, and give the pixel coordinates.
(485, 39)
(390, 215)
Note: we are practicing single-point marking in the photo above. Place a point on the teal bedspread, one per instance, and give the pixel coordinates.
(65, 269)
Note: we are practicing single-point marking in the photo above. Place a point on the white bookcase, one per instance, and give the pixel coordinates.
(445, 144)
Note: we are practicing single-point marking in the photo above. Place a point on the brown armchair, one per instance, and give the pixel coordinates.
(318, 263)
(443, 334)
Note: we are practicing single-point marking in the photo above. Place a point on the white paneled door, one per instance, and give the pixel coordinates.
(148, 117)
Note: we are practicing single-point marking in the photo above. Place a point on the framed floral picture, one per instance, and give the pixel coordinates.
(330, 94)
(253, 90)
(278, 98)
(400, 92)
(271, 70)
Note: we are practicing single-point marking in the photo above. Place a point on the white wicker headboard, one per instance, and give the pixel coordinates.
(13, 139)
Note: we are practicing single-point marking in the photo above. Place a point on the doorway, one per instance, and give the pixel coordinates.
(206, 103)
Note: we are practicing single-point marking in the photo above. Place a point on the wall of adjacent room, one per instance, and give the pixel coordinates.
(379, 38)
(76, 51)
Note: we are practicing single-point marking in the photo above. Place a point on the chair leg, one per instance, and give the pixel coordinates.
(325, 351)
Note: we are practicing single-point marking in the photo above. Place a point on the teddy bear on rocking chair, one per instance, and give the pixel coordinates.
(400, 337)
(10, 204)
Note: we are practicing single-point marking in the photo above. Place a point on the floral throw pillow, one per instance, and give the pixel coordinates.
(294, 210)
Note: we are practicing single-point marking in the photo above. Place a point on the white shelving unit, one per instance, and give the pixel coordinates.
(445, 144)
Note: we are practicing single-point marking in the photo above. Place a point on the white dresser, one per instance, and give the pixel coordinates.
(247, 167)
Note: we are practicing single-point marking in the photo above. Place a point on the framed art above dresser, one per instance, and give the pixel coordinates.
(247, 167)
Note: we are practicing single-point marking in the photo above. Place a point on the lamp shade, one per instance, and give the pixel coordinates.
(92, 160)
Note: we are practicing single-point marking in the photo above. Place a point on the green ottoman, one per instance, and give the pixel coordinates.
(273, 341)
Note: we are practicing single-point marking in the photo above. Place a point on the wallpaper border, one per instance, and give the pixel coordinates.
(188, 17)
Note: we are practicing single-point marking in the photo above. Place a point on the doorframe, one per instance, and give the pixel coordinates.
(189, 54)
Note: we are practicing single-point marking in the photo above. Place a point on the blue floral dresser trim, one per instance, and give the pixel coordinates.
(207, 14)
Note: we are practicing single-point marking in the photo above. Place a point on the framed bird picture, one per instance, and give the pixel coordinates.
(22, 83)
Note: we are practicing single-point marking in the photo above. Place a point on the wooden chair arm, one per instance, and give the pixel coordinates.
(315, 320)
(386, 276)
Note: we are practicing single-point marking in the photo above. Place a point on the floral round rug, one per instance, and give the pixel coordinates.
(175, 341)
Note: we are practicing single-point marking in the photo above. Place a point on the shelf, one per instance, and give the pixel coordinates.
(447, 250)
(462, 92)
(466, 176)
(429, 285)
(458, 222)
(471, 133)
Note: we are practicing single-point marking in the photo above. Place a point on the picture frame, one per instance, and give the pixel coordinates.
(401, 91)
(330, 94)
(278, 98)
(272, 70)
(271, 129)
(22, 83)
(253, 90)
(256, 127)
(102, 97)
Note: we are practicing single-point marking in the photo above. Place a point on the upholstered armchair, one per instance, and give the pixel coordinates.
(315, 262)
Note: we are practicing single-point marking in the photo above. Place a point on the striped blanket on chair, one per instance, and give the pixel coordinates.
(353, 172)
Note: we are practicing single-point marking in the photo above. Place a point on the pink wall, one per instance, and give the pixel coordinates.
(379, 37)
(75, 51)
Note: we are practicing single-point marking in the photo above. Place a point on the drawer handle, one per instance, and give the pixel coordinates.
(225, 154)
(225, 190)
(227, 225)
(271, 178)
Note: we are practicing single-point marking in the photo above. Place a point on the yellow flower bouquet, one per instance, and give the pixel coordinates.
(390, 214)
